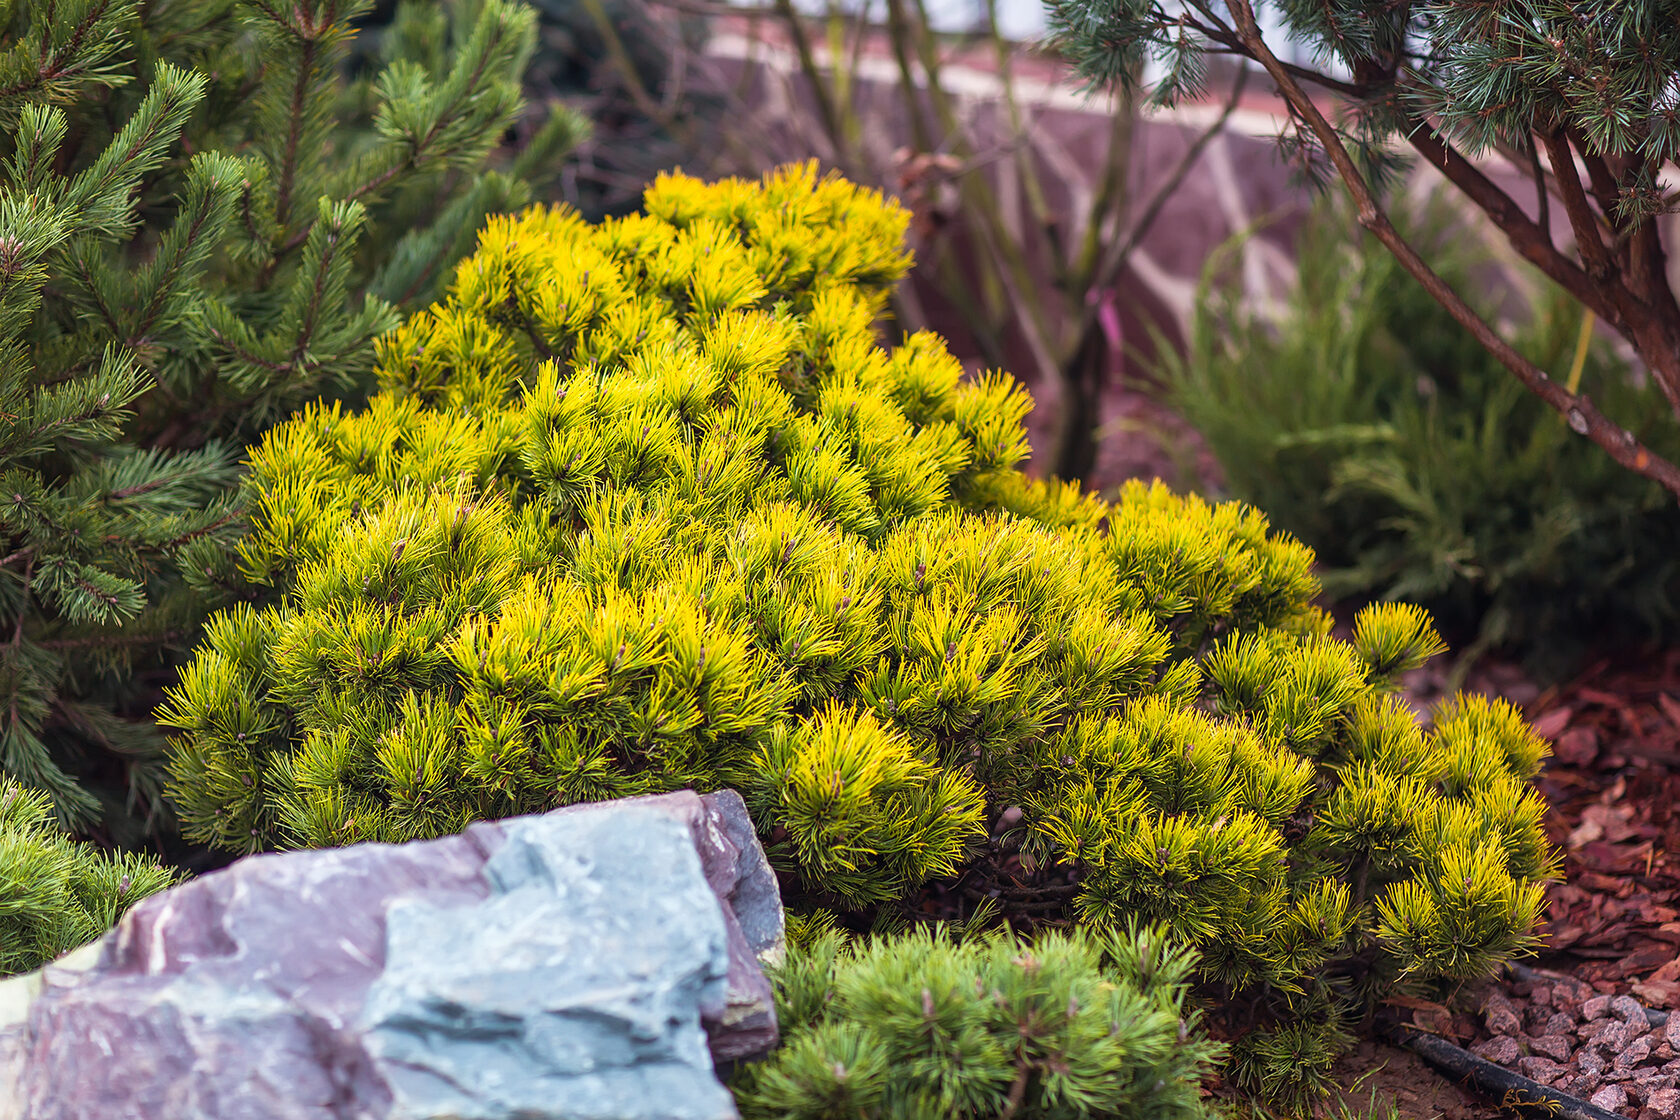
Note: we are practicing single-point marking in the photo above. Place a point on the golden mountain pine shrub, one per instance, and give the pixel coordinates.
(646, 505)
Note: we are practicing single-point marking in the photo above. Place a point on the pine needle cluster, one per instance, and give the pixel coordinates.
(1072, 1025)
(1579, 98)
(1491, 75)
(645, 505)
(204, 221)
(56, 894)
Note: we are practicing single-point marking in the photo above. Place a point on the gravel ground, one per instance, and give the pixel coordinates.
(1599, 1047)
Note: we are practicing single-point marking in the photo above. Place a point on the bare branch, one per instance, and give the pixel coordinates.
(1583, 417)
(1152, 209)
(1533, 242)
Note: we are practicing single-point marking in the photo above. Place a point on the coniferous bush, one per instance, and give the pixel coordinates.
(205, 220)
(1578, 97)
(1377, 430)
(1069, 1025)
(645, 505)
(56, 894)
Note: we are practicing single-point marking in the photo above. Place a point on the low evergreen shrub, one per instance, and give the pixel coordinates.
(1071, 1025)
(645, 505)
(57, 894)
(1367, 422)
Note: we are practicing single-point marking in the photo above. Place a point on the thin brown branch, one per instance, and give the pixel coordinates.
(1110, 198)
(114, 639)
(1025, 164)
(824, 96)
(1533, 242)
(1595, 257)
(1622, 445)
(1233, 43)
(294, 134)
(1605, 185)
(1152, 209)
(1120, 250)
(1542, 189)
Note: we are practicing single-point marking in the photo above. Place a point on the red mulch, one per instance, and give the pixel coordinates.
(1614, 790)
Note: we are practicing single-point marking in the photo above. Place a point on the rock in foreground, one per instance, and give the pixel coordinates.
(586, 963)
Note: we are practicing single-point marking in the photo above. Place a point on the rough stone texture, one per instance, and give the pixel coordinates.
(1570, 992)
(1633, 1053)
(1611, 1098)
(1581, 1085)
(570, 965)
(740, 876)
(1629, 1010)
(1501, 1016)
(1543, 1070)
(1618, 1035)
(1501, 1049)
(1664, 1104)
(1558, 1022)
(1620, 1057)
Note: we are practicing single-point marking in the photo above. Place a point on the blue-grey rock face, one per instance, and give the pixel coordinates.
(585, 963)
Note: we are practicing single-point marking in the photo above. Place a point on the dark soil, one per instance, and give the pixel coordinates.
(1377, 1077)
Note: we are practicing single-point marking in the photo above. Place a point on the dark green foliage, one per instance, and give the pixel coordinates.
(56, 894)
(87, 518)
(1580, 97)
(646, 505)
(1374, 427)
(1600, 70)
(204, 221)
(1070, 1025)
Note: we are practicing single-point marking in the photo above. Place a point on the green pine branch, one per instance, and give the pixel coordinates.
(195, 202)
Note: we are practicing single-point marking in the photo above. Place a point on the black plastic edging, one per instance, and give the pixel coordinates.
(1511, 1091)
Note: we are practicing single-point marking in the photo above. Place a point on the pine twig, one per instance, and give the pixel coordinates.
(1583, 417)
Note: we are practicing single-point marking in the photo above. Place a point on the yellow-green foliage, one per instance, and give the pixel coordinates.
(646, 505)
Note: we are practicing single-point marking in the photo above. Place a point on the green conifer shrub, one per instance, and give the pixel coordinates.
(205, 219)
(645, 505)
(1377, 430)
(56, 894)
(1580, 96)
(1070, 1025)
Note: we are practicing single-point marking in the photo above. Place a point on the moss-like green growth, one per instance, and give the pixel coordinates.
(57, 894)
(646, 505)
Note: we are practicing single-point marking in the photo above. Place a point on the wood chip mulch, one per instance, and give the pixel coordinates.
(1614, 790)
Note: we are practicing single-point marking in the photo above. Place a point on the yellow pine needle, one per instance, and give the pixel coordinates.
(1581, 343)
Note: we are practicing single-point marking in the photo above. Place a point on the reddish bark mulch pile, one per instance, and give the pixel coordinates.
(1614, 790)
